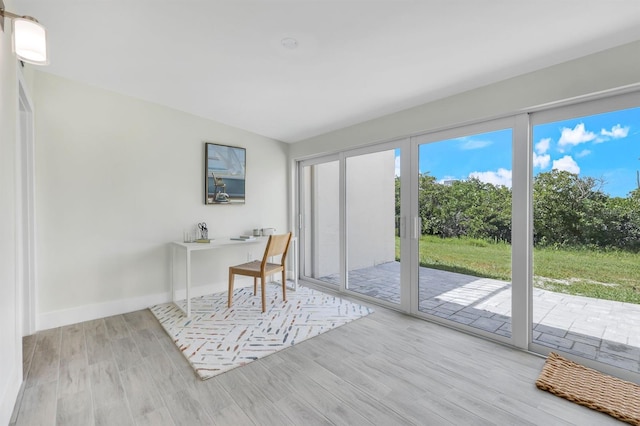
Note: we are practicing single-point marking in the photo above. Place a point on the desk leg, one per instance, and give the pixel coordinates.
(172, 268)
(188, 283)
(295, 264)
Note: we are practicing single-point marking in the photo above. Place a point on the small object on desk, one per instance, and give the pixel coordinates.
(203, 240)
(204, 232)
(244, 238)
(268, 231)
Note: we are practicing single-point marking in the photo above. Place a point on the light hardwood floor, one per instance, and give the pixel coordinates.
(384, 369)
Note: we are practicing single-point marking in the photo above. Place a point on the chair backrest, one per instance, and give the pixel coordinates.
(276, 246)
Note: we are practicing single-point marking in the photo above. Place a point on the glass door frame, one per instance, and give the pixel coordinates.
(408, 226)
(301, 218)
(593, 106)
(522, 124)
(520, 217)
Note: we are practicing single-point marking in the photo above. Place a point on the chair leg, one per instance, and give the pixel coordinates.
(231, 278)
(264, 298)
(284, 285)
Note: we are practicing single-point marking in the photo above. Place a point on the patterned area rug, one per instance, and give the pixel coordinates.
(217, 339)
(588, 387)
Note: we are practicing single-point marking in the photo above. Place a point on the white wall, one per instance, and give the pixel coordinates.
(10, 298)
(371, 209)
(117, 180)
(326, 220)
(594, 73)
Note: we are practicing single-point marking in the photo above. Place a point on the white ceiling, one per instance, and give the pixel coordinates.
(356, 59)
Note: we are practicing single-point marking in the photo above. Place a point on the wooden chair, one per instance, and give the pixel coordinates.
(278, 245)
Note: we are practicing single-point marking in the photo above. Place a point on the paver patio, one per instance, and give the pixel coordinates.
(597, 329)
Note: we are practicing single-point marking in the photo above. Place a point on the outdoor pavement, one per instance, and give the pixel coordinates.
(597, 329)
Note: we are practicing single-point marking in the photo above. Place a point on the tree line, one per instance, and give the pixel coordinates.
(568, 211)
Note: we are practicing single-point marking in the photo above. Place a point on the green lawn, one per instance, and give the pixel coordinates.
(612, 275)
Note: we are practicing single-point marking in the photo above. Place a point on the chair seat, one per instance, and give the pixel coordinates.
(253, 268)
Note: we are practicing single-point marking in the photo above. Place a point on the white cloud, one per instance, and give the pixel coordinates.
(397, 165)
(541, 161)
(616, 132)
(500, 177)
(469, 144)
(566, 164)
(575, 136)
(583, 153)
(543, 145)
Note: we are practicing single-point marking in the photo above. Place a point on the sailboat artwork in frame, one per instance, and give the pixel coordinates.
(225, 172)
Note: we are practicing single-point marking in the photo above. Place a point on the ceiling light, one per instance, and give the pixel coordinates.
(289, 43)
(29, 37)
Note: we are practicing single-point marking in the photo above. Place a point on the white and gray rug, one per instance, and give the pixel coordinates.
(217, 339)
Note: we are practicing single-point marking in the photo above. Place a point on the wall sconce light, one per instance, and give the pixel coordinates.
(29, 37)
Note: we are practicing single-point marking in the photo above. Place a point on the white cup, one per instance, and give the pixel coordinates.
(268, 231)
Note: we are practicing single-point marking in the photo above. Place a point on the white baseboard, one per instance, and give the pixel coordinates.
(53, 319)
(47, 320)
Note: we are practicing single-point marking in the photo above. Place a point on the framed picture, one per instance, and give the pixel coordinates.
(225, 168)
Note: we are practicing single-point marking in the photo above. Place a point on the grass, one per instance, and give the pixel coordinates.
(611, 275)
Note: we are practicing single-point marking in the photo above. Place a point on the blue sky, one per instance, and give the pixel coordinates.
(605, 146)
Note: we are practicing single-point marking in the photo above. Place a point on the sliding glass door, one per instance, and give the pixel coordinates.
(320, 220)
(373, 209)
(464, 205)
(423, 225)
(586, 231)
(351, 222)
(524, 229)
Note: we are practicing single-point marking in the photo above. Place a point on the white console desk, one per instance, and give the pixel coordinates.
(217, 244)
